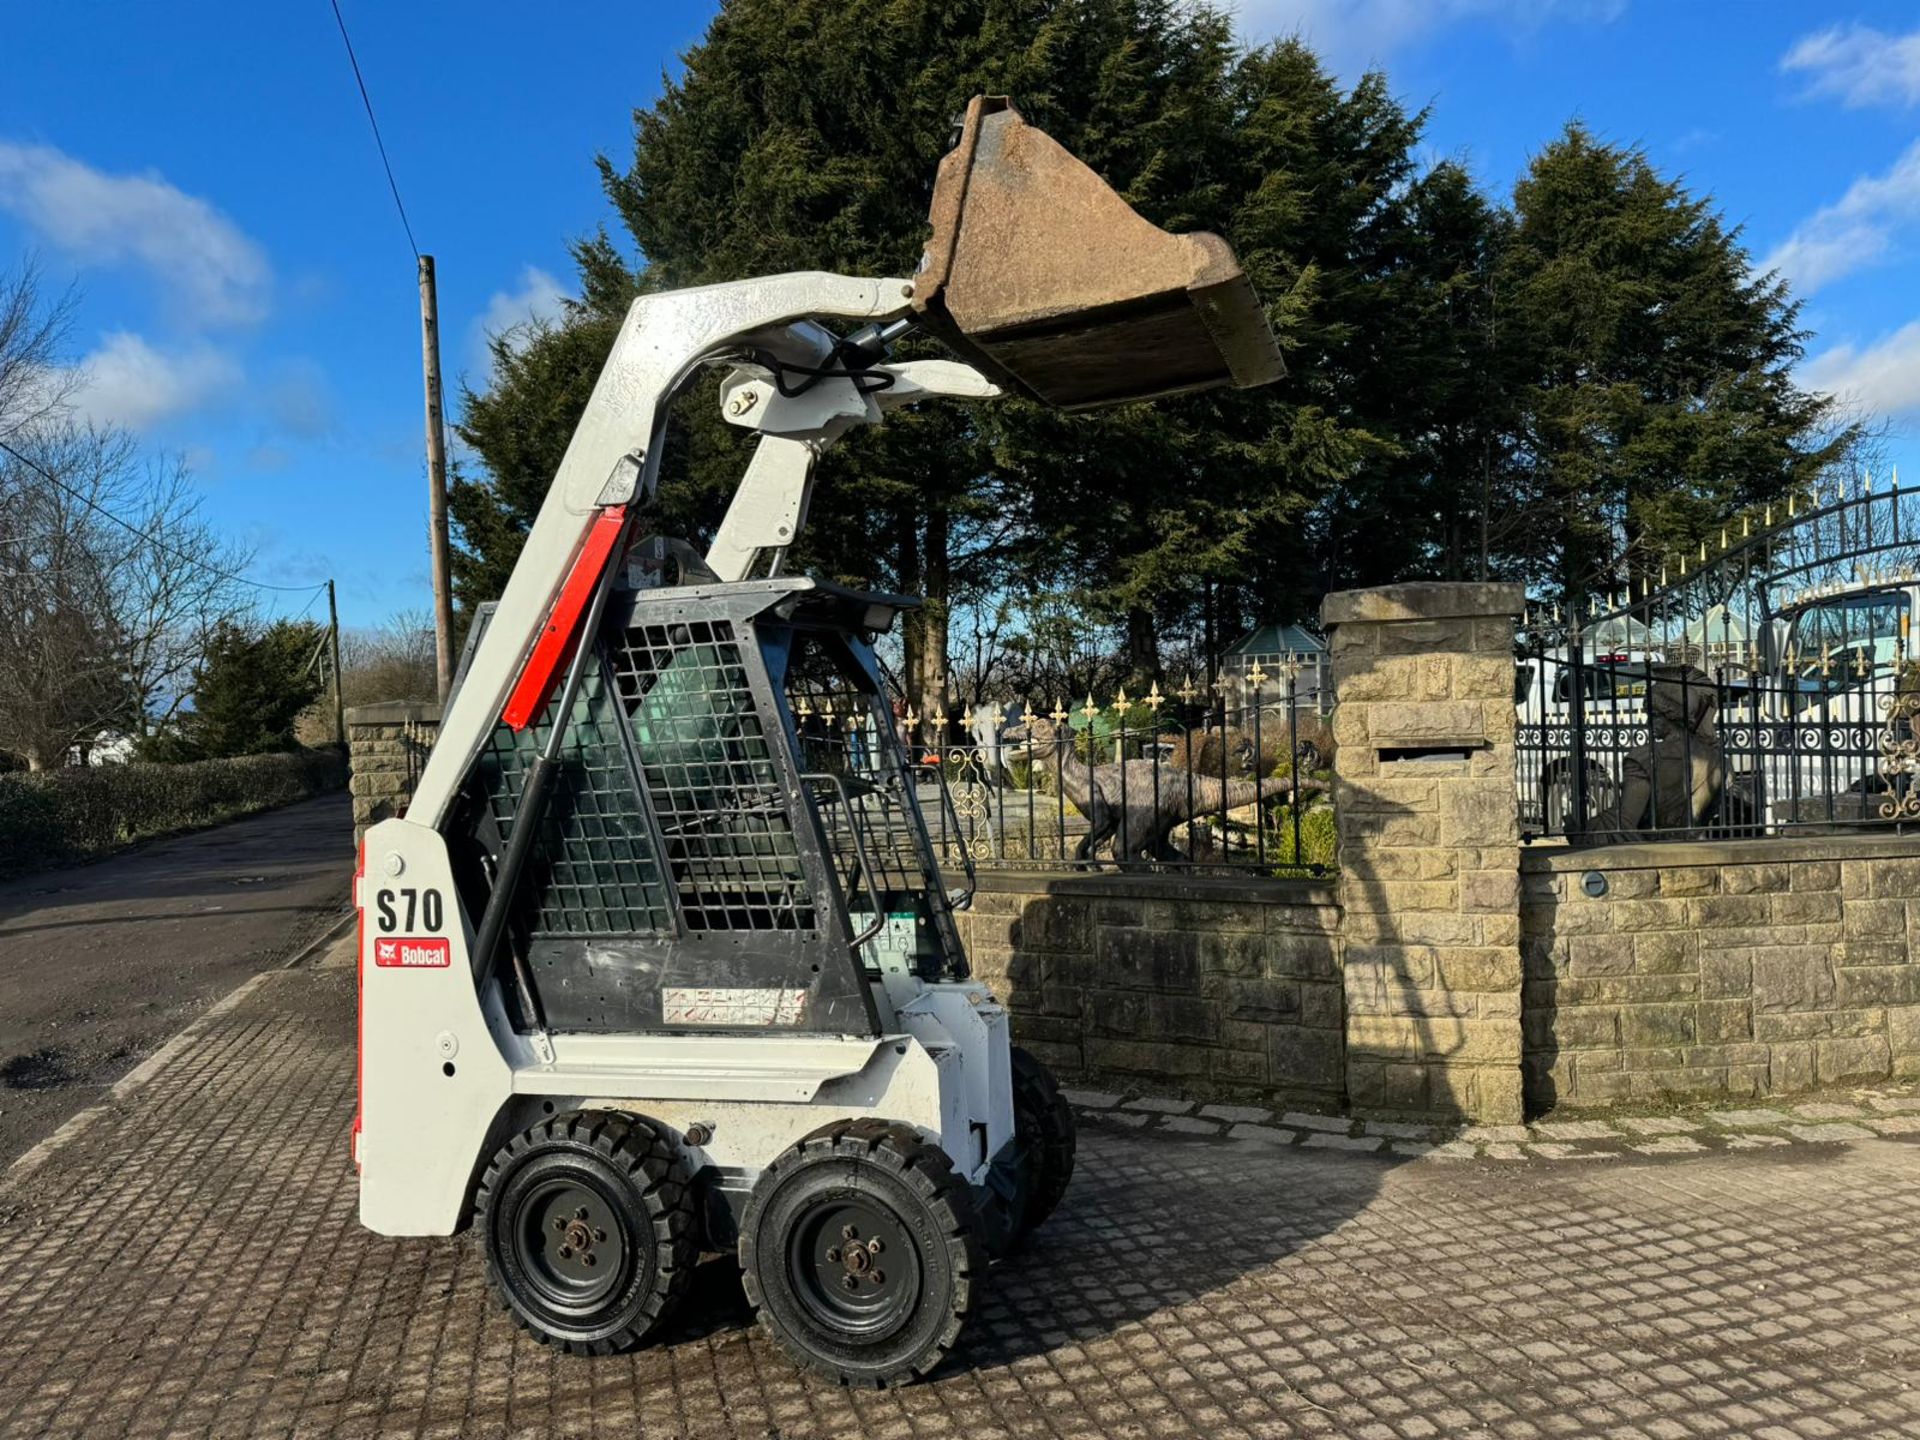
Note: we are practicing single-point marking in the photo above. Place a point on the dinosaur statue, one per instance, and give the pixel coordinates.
(1200, 750)
(1136, 804)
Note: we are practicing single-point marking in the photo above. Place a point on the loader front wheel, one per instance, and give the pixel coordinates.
(587, 1222)
(860, 1254)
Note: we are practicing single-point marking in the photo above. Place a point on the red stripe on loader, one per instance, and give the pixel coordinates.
(555, 646)
(359, 1008)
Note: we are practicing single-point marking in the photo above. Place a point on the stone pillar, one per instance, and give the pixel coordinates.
(1429, 847)
(387, 745)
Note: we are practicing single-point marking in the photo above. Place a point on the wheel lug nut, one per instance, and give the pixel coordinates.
(874, 1247)
(599, 1236)
(851, 1283)
(879, 1277)
(559, 1227)
(833, 1256)
(588, 1258)
(581, 1213)
(847, 1232)
(566, 1252)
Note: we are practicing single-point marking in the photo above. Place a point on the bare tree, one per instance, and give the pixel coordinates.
(393, 661)
(109, 582)
(174, 585)
(34, 386)
(62, 668)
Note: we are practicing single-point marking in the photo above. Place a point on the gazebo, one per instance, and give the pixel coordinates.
(1271, 649)
(1717, 640)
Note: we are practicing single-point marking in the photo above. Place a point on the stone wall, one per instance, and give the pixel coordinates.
(1429, 847)
(1225, 988)
(1757, 967)
(386, 752)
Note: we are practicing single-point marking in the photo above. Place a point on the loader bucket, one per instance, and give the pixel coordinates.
(1049, 282)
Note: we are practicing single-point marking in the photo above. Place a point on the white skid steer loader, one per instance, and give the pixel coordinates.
(661, 959)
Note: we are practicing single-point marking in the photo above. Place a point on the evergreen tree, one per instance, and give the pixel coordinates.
(249, 688)
(1562, 393)
(804, 135)
(1658, 396)
(1437, 382)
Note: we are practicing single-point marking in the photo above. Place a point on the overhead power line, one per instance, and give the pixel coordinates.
(152, 539)
(367, 100)
(439, 434)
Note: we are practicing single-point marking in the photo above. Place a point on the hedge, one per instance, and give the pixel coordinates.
(61, 817)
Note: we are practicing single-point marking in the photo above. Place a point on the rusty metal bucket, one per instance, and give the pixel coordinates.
(1049, 282)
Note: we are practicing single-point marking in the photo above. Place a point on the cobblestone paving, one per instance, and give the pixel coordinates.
(1862, 1115)
(190, 1264)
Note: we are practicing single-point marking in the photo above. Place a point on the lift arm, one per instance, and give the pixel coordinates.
(613, 463)
(770, 506)
(1036, 271)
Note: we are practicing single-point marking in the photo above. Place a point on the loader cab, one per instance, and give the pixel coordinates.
(735, 839)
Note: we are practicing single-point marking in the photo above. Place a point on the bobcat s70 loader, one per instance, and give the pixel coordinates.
(661, 960)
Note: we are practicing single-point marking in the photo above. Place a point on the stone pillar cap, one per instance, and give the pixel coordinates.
(1424, 600)
(393, 712)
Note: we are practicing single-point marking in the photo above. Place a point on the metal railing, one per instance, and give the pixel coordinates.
(1163, 783)
(1645, 747)
(416, 743)
(1184, 781)
(1766, 685)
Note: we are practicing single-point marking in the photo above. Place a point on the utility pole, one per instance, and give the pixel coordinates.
(436, 480)
(339, 680)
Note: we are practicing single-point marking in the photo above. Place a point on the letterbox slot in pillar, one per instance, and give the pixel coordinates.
(1425, 754)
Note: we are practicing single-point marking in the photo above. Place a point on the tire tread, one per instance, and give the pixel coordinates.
(1037, 1096)
(927, 1170)
(645, 1155)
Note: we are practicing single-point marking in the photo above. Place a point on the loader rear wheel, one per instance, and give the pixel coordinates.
(587, 1222)
(1043, 1124)
(860, 1254)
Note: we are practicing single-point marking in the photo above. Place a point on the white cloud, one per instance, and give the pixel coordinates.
(1883, 377)
(213, 272)
(1859, 64)
(127, 381)
(1854, 231)
(1352, 34)
(513, 313)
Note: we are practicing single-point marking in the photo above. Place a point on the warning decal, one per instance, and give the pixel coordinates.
(391, 952)
(708, 1005)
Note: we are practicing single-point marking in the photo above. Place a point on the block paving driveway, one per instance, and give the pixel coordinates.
(187, 1262)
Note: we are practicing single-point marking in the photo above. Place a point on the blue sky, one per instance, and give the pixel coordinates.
(204, 176)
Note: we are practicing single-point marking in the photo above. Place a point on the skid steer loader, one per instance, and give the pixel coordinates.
(661, 960)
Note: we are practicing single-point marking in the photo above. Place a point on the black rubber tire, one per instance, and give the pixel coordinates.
(632, 1182)
(1043, 1124)
(908, 1183)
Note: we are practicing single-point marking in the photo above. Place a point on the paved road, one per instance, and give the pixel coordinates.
(103, 964)
(190, 1263)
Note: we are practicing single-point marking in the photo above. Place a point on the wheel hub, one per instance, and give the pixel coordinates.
(836, 1258)
(569, 1243)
